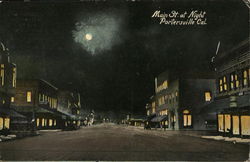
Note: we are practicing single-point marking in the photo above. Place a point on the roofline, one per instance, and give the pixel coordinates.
(39, 80)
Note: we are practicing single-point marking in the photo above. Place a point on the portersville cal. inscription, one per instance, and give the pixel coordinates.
(194, 17)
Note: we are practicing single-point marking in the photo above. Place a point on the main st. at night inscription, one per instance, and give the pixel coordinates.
(194, 17)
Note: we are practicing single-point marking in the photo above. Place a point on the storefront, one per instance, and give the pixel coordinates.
(234, 122)
(160, 121)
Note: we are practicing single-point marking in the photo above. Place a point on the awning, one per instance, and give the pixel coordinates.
(150, 117)
(11, 113)
(66, 115)
(159, 118)
(30, 109)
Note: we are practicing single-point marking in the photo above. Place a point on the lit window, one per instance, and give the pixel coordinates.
(14, 77)
(37, 122)
(237, 83)
(221, 85)
(1, 123)
(43, 122)
(50, 122)
(29, 96)
(153, 107)
(54, 122)
(232, 81)
(12, 99)
(78, 112)
(225, 83)
(245, 78)
(187, 118)
(2, 74)
(208, 96)
(7, 123)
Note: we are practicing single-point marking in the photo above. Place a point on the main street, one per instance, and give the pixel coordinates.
(114, 142)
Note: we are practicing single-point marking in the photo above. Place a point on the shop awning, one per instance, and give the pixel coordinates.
(30, 109)
(150, 117)
(11, 113)
(160, 118)
(66, 115)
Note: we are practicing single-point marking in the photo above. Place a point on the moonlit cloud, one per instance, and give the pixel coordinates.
(98, 32)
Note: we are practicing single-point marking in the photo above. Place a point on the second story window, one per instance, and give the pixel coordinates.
(28, 98)
(246, 77)
(221, 85)
(225, 83)
(234, 82)
(153, 107)
(2, 74)
(208, 96)
(14, 77)
(12, 99)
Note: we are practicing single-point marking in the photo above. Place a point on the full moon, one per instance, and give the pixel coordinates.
(88, 36)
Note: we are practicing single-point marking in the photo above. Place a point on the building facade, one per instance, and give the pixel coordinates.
(233, 90)
(8, 117)
(37, 100)
(69, 103)
(179, 99)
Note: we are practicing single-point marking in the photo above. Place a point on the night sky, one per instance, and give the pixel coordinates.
(115, 70)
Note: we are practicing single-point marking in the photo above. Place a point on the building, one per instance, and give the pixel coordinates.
(8, 117)
(69, 104)
(37, 100)
(233, 90)
(178, 100)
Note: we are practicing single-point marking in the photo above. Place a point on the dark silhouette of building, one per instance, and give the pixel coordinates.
(9, 119)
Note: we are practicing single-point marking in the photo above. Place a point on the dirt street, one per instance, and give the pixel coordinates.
(114, 142)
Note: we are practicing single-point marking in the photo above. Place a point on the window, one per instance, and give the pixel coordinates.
(12, 99)
(29, 96)
(50, 122)
(221, 85)
(208, 96)
(153, 107)
(245, 126)
(7, 123)
(246, 77)
(14, 77)
(78, 112)
(221, 123)
(187, 119)
(237, 82)
(1, 123)
(54, 122)
(43, 122)
(2, 74)
(37, 122)
(234, 82)
(225, 83)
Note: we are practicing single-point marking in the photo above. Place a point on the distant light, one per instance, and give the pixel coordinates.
(88, 37)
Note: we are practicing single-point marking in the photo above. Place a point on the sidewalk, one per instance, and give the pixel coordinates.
(204, 134)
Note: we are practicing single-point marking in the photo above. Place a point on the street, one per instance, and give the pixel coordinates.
(115, 142)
